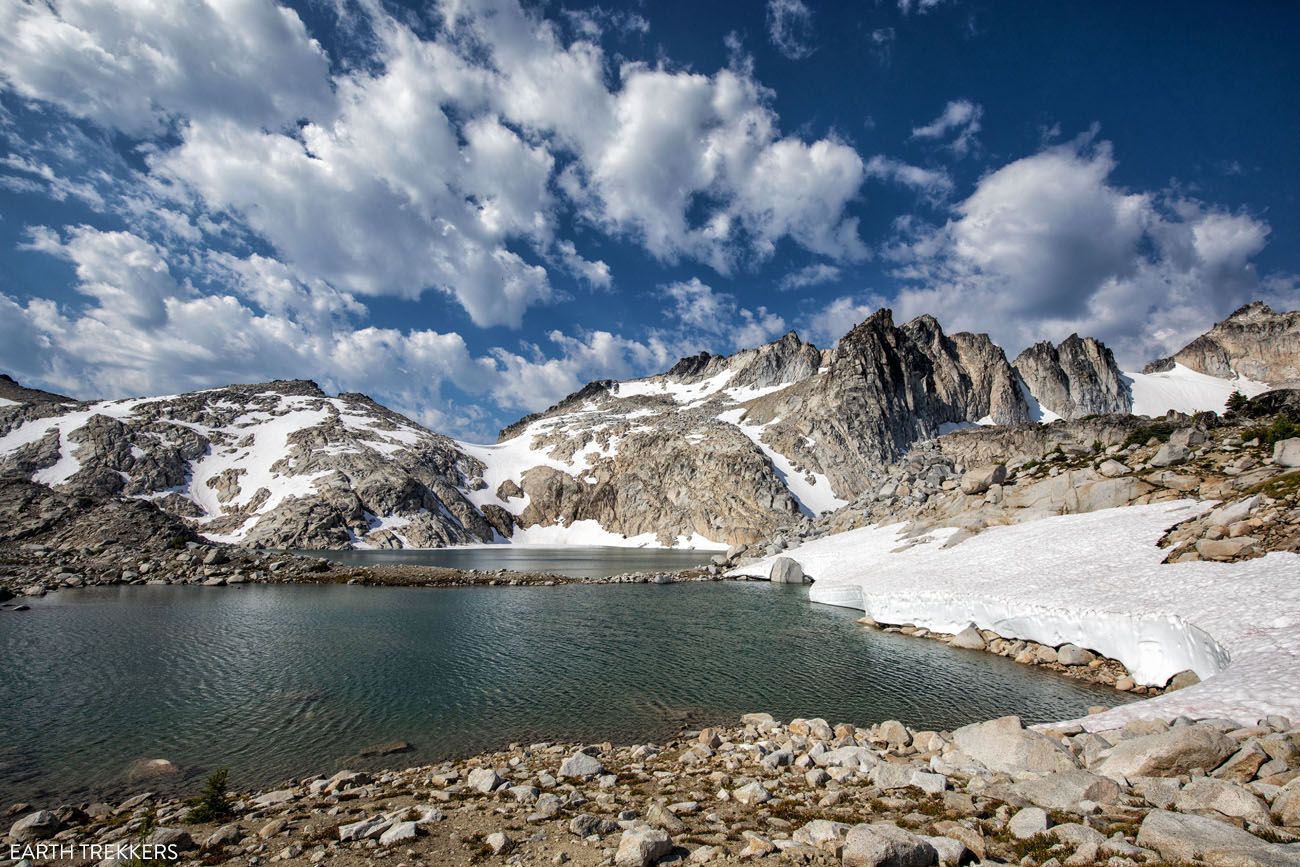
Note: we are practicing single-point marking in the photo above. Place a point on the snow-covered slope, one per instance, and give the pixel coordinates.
(1184, 390)
(280, 464)
(1095, 580)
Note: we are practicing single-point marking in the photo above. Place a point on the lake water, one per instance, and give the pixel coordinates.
(277, 682)
(576, 561)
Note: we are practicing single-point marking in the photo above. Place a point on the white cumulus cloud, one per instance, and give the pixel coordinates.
(1049, 245)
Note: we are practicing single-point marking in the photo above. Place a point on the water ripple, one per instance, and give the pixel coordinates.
(276, 682)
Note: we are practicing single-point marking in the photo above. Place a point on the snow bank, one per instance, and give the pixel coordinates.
(658, 386)
(1094, 580)
(1185, 390)
(67, 465)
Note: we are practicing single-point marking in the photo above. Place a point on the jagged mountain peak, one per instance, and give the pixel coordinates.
(1074, 378)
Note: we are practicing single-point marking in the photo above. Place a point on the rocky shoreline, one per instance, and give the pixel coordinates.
(1219, 792)
(1068, 660)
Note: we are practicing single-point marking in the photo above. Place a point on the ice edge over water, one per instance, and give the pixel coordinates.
(1095, 580)
(1154, 647)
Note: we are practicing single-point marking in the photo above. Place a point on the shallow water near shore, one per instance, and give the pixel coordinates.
(575, 561)
(277, 682)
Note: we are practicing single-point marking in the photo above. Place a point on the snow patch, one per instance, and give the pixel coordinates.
(814, 496)
(1037, 412)
(66, 466)
(1186, 391)
(679, 392)
(589, 532)
(1095, 580)
(509, 460)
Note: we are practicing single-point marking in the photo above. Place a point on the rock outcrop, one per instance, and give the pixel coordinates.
(1254, 342)
(1077, 377)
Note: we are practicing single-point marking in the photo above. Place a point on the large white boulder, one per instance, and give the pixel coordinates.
(1168, 754)
(786, 571)
(1006, 745)
(1286, 453)
(883, 845)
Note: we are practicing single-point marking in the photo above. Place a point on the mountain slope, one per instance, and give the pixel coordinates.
(731, 448)
(280, 465)
(718, 450)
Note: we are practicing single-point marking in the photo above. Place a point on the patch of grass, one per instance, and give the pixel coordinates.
(791, 811)
(214, 803)
(1282, 428)
(1160, 430)
(1039, 847)
(1283, 486)
(930, 806)
(1268, 835)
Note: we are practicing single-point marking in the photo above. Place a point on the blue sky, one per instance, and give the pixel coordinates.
(469, 209)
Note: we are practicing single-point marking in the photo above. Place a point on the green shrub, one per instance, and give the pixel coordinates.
(1282, 428)
(1237, 402)
(214, 803)
(1160, 430)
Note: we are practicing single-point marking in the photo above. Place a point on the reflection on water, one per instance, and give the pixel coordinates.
(280, 681)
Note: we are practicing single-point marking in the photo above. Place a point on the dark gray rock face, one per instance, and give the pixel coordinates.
(31, 513)
(1254, 342)
(1078, 377)
(884, 388)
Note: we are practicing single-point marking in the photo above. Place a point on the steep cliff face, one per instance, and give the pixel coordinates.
(732, 448)
(279, 464)
(1255, 343)
(882, 388)
(1075, 378)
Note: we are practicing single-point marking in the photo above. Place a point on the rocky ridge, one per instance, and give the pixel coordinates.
(278, 465)
(1254, 342)
(978, 478)
(729, 450)
(1076, 378)
(734, 448)
(12, 392)
(1219, 792)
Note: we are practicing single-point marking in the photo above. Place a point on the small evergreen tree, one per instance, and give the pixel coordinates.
(212, 804)
(1237, 401)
